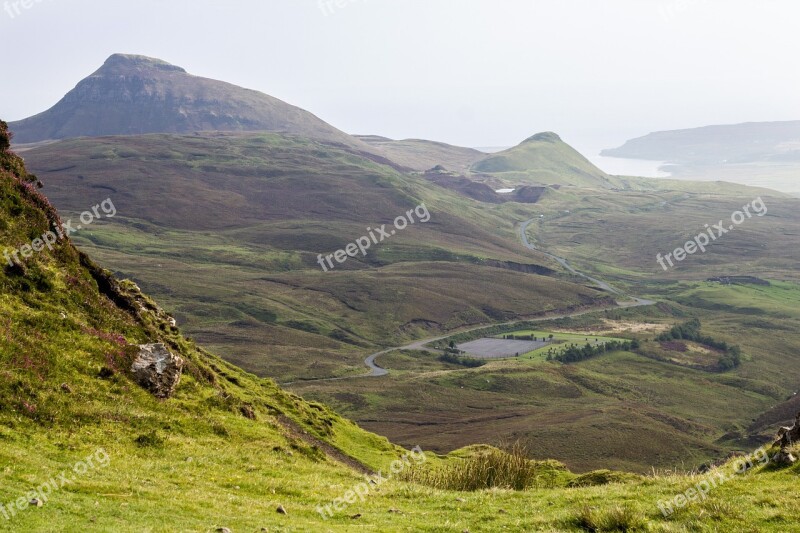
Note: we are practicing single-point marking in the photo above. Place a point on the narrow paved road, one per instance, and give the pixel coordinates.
(376, 370)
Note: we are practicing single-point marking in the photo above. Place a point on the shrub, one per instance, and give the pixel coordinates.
(574, 354)
(690, 331)
(468, 362)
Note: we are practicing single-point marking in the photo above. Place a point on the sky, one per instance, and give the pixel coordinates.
(476, 73)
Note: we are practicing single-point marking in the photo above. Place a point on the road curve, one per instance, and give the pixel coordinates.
(375, 370)
(523, 233)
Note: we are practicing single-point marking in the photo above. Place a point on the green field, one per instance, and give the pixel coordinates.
(559, 341)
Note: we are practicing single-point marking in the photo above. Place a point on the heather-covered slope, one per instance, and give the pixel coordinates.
(420, 155)
(226, 229)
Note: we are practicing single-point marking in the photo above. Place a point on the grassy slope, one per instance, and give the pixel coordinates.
(544, 159)
(606, 400)
(245, 314)
(259, 208)
(639, 225)
(205, 465)
(503, 399)
(420, 155)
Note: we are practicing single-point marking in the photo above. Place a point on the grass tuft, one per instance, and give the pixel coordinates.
(509, 468)
(624, 517)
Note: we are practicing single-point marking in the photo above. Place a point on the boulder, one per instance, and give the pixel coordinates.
(788, 436)
(157, 370)
(784, 458)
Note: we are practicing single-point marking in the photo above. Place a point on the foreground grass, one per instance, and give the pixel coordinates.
(239, 481)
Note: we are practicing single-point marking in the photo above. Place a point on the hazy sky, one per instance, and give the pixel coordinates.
(469, 72)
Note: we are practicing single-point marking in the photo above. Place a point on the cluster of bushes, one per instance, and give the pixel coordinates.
(690, 331)
(573, 353)
(525, 338)
(454, 359)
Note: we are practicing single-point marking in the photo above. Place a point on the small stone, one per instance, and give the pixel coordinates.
(66, 388)
(502, 511)
(35, 503)
(223, 530)
(281, 510)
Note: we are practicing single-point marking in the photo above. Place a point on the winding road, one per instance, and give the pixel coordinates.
(376, 370)
(523, 234)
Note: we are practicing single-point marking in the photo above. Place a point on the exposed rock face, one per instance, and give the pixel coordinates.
(157, 369)
(787, 437)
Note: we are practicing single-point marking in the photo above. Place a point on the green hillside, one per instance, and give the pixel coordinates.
(544, 159)
(421, 155)
(226, 230)
(84, 448)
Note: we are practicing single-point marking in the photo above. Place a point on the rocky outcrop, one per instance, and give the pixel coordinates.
(157, 370)
(787, 437)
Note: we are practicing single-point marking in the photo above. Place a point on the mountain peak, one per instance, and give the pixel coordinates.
(137, 62)
(546, 136)
(135, 94)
